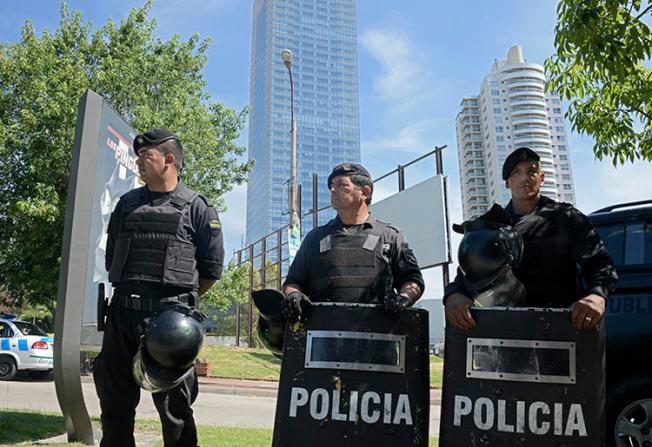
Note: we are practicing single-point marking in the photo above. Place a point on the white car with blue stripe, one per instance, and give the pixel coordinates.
(24, 346)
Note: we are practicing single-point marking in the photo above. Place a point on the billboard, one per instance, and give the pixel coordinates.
(420, 212)
(115, 174)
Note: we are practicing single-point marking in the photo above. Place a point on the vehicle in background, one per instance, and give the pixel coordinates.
(626, 230)
(24, 346)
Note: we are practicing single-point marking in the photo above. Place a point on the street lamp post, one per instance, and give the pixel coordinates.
(286, 55)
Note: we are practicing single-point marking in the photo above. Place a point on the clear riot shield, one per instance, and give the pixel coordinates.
(523, 377)
(353, 376)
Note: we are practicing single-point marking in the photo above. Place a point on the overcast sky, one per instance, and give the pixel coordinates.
(417, 59)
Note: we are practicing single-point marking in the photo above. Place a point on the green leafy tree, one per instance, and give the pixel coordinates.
(219, 301)
(601, 66)
(150, 81)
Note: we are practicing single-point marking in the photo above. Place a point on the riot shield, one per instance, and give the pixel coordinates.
(523, 377)
(353, 376)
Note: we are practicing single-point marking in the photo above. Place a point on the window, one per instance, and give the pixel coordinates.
(500, 138)
(495, 101)
(559, 128)
(495, 92)
(496, 109)
(555, 101)
(561, 147)
(558, 120)
(556, 110)
(613, 237)
(561, 138)
(638, 243)
(563, 157)
(6, 331)
(499, 128)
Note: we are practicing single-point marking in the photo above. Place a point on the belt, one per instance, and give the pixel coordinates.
(149, 303)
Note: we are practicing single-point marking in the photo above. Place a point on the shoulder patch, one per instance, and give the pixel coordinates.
(215, 224)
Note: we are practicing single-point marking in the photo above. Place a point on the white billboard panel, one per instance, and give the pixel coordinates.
(420, 212)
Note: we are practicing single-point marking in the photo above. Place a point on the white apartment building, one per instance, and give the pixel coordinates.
(512, 110)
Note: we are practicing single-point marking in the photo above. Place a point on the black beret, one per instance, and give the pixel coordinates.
(519, 155)
(153, 138)
(348, 169)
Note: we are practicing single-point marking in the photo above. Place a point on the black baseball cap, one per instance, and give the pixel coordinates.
(519, 155)
(153, 138)
(350, 169)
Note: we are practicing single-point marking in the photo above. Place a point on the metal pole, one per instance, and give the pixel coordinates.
(237, 307)
(279, 257)
(440, 171)
(293, 154)
(263, 261)
(250, 318)
(401, 178)
(315, 200)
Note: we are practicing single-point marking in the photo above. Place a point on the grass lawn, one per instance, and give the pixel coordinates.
(23, 428)
(260, 364)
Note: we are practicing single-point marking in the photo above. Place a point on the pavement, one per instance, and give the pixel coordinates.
(221, 402)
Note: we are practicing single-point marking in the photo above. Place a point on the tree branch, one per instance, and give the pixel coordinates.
(645, 11)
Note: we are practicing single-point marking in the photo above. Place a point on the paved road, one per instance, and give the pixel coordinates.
(214, 406)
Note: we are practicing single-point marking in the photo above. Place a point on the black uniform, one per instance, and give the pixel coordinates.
(158, 246)
(561, 245)
(353, 263)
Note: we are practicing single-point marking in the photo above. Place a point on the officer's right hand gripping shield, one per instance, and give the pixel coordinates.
(353, 376)
(523, 377)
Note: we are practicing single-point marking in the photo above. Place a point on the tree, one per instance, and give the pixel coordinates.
(151, 82)
(602, 48)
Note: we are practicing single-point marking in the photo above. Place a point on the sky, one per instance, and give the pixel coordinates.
(417, 59)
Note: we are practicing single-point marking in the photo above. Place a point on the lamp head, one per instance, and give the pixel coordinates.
(286, 55)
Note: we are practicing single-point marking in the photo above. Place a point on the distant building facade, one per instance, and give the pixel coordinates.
(511, 111)
(322, 36)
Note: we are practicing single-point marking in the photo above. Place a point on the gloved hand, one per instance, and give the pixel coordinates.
(295, 305)
(395, 303)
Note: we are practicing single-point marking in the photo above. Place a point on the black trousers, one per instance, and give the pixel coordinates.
(119, 393)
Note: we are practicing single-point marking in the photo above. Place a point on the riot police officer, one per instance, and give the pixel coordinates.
(354, 258)
(164, 245)
(560, 243)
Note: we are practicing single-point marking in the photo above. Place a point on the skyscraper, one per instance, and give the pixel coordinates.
(512, 111)
(322, 36)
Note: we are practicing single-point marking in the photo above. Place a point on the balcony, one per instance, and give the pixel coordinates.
(526, 74)
(535, 102)
(530, 111)
(531, 120)
(526, 82)
(536, 93)
(531, 139)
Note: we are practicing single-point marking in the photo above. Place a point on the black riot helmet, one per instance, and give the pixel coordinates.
(168, 349)
(271, 324)
(487, 251)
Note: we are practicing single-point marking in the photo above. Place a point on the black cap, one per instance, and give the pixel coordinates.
(348, 169)
(153, 138)
(519, 155)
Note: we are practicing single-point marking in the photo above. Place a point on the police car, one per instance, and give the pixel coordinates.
(24, 346)
(626, 230)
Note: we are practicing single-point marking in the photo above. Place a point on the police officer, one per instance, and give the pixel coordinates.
(354, 258)
(164, 243)
(559, 243)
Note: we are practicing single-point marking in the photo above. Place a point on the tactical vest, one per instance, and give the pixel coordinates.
(548, 269)
(152, 245)
(351, 269)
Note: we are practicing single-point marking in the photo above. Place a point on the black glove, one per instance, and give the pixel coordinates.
(395, 303)
(294, 306)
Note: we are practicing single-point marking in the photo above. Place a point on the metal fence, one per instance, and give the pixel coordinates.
(268, 260)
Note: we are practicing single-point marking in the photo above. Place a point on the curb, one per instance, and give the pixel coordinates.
(253, 388)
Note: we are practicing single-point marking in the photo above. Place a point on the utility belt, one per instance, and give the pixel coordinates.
(150, 303)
